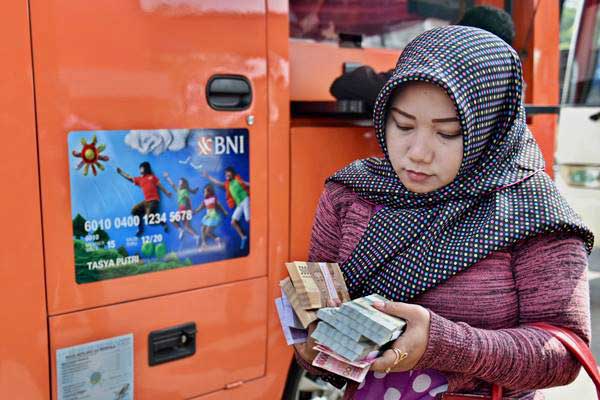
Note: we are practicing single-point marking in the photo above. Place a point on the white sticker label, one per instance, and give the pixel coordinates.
(96, 370)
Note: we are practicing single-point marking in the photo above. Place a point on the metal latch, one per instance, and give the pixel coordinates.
(171, 343)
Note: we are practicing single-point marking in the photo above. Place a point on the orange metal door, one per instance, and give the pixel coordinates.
(230, 341)
(23, 336)
(142, 65)
(145, 64)
(311, 167)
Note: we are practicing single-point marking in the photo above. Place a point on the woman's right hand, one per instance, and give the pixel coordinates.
(305, 350)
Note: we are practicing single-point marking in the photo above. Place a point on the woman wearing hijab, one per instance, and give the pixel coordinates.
(460, 228)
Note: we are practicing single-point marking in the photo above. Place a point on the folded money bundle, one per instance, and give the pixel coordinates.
(311, 286)
(348, 337)
(357, 328)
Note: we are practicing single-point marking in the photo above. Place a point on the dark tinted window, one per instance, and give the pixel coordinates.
(381, 23)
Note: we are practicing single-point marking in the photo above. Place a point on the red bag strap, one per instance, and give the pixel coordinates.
(575, 345)
(578, 347)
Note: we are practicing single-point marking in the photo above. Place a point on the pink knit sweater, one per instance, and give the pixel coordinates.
(476, 332)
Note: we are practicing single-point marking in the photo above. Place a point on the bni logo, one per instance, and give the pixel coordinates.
(218, 145)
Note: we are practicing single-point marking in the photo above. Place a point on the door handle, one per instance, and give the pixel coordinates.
(229, 92)
(595, 117)
(171, 343)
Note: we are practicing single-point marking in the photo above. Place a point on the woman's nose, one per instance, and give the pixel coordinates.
(419, 149)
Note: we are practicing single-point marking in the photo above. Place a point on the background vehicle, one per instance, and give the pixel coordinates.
(578, 139)
(146, 64)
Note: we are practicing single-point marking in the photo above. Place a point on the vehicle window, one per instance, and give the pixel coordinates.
(380, 23)
(583, 62)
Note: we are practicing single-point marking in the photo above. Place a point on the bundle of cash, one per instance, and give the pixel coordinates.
(348, 337)
(316, 283)
(356, 328)
(373, 324)
(330, 361)
(288, 292)
(292, 329)
(309, 287)
(343, 345)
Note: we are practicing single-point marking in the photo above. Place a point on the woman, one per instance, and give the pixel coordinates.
(184, 204)
(460, 227)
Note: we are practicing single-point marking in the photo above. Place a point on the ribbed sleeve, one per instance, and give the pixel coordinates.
(551, 280)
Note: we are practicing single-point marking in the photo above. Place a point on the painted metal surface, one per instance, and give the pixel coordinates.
(230, 338)
(142, 65)
(314, 66)
(311, 167)
(278, 353)
(537, 42)
(23, 337)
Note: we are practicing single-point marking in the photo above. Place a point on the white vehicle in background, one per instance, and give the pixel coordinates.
(577, 159)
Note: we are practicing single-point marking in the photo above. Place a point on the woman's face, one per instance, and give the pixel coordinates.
(423, 137)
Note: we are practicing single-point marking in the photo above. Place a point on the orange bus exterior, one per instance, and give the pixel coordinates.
(143, 65)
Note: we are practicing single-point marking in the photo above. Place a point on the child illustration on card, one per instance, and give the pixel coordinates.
(212, 218)
(150, 186)
(184, 203)
(238, 198)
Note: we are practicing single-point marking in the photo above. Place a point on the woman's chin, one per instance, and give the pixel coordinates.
(418, 187)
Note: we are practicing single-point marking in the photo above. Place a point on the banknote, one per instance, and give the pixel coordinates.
(292, 335)
(304, 284)
(339, 321)
(317, 285)
(330, 281)
(306, 317)
(289, 315)
(341, 344)
(341, 368)
(372, 323)
(365, 362)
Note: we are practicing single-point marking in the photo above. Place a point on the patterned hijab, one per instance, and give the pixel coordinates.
(500, 196)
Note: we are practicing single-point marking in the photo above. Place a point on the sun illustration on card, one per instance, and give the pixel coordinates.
(90, 156)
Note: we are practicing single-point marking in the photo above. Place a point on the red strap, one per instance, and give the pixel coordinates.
(575, 345)
(496, 392)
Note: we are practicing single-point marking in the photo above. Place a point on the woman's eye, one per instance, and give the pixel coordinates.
(449, 135)
(403, 127)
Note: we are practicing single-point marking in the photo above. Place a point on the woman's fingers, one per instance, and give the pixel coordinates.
(334, 302)
(402, 310)
(385, 361)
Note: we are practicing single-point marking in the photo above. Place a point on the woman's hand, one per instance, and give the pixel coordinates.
(413, 341)
(305, 349)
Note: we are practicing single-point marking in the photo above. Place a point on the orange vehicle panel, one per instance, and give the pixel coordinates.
(310, 168)
(24, 335)
(314, 66)
(537, 43)
(279, 354)
(230, 339)
(142, 65)
(257, 389)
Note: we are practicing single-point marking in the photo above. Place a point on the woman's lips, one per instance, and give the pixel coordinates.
(417, 177)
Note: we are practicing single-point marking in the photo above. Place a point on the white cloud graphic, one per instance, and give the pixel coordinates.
(157, 141)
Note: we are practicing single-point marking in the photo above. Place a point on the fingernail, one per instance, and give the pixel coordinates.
(378, 304)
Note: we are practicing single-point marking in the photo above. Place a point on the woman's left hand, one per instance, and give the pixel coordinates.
(413, 341)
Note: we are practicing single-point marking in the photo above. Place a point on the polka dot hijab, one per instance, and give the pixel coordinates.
(500, 196)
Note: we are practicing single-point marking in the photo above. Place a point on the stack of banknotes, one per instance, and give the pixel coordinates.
(349, 337)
